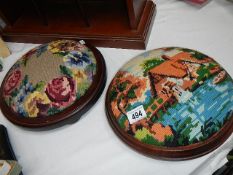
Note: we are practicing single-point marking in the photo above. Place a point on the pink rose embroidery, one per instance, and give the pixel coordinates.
(12, 81)
(61, 91)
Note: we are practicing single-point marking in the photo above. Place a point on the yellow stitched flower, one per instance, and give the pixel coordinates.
(54, 47)
(30, 104)
(79, 75)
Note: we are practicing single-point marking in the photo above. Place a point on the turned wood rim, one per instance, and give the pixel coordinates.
(75, 111)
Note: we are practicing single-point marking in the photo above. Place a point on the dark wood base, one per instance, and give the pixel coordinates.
(71, 114)
(109, 27)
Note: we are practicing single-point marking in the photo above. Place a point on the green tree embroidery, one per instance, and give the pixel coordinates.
(149, 64)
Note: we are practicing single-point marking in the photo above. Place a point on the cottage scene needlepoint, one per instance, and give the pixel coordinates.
(185, 99)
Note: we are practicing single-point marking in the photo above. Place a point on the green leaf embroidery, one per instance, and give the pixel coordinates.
(61, 54)
(66, 71)
(25, 80)
(52, 111)
(40, 86)
(14, 93)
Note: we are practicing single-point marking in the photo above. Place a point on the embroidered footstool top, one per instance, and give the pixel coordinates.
(53, 82)
(171, 103)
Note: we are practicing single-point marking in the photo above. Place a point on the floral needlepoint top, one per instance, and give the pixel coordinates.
(49, 78)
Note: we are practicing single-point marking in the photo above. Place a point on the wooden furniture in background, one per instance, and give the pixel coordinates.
(107, 23)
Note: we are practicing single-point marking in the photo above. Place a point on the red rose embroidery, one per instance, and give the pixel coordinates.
(61, 91)
(12, 81)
